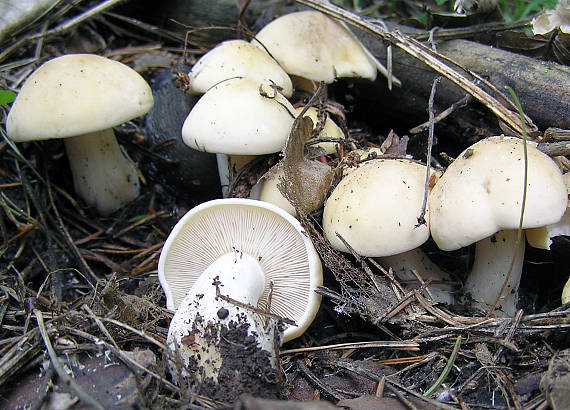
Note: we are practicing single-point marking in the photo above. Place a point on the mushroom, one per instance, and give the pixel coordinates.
(258, 257)
(566, 292)
(237, 58)
(310, 45)
(479, 199)
(329, 131)
(80, 97)
(266, 188)
(542, 237)
(375, 209)
(239, 116)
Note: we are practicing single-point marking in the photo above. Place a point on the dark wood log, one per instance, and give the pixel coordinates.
(542, 88)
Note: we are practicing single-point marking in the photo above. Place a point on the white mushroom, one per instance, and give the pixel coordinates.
(542, 237)
(237, 58)
(329, 131)
(258, 255)
(479, 199)
(566, 292)
(80, 97)
(239, 117)
(308, 44)
(375, 208)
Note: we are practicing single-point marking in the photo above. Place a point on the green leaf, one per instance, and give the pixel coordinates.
(6, 97)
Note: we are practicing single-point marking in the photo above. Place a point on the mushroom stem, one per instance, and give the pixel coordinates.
(403, 263)
(228, 168)
(493, 258)
(102, 175)
(202, 315)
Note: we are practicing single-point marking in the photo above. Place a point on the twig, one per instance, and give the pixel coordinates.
(79, 392)
(131, 363)
(353, 367)
(61, 28)
(314, 380)
(412, 346)
(508, 339)
(442, 115)
(421, 217)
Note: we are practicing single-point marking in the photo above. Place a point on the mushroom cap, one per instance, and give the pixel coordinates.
(330, 130)
(311, 45)
(264, 231)
(542, 237)
(566, 292)
(77, 94)
(239, 116)
(237, 58)
(266, 190)
(481, 192)
(375, 208)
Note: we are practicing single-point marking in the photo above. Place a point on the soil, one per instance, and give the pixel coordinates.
(95, 278)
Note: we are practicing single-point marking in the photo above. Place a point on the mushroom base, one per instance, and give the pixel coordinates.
(223, 342)
(102, 176)
(493, 258)
(415, 260)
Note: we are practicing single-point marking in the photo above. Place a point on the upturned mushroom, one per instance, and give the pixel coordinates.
(479, 199)
(80, 97)
(375, 209)
(232, 263)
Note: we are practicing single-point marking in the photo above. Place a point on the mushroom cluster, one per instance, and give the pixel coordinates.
(244, 111)
(239, 262)
(375, 210)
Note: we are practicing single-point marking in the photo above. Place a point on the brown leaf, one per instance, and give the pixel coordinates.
(305, 182)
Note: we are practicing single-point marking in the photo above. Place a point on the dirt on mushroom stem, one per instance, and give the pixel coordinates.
(245, 368)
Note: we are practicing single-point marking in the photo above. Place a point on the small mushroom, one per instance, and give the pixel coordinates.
(237, 58)
(329, 131)
(542, 237)
(566, 292)
(316, 176)
(80, 97)
(478, 200)
(375, 208)
(253, 254)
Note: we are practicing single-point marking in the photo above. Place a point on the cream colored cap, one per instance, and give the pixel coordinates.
(311, 45)
(542, 237)
(77, 94)
(330, 130)
(481, 192)
(237, 58)
(375, 208)
(239, 117)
